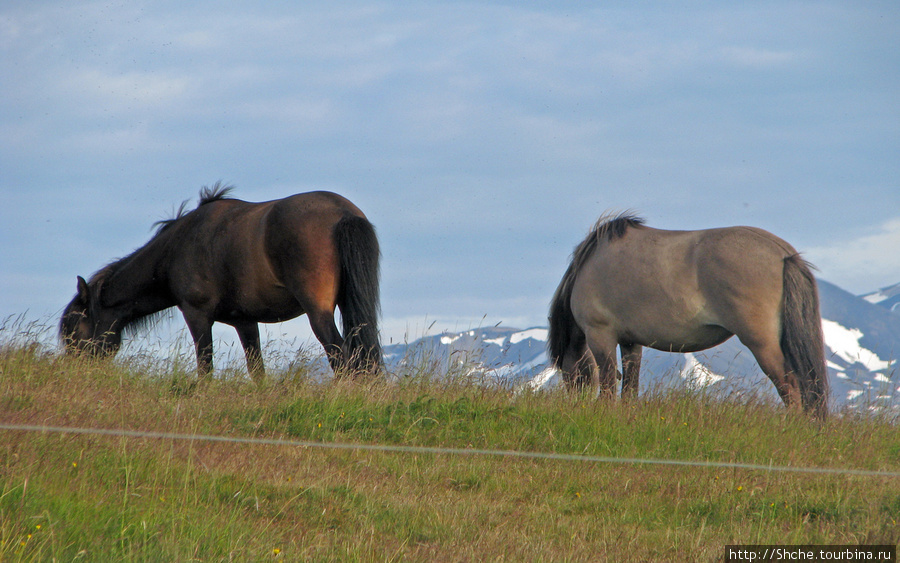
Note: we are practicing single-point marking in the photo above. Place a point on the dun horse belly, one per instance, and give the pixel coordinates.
(700, 338)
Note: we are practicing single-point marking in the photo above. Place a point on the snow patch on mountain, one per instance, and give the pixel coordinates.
(844, 343)
(875, 298)
(886, 297)
(532, 333)
(543, 379)
(697, 375)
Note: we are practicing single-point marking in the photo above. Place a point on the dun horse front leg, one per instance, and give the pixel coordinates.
(203, 346)
(603, 347)
(631, 369)
(578, 366)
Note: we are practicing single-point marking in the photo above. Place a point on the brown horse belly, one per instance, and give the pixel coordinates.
(263, 311)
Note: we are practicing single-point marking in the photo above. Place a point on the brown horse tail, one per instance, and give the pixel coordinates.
(802, 342)
(358, 295)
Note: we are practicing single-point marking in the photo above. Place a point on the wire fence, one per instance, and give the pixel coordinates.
(445, 451)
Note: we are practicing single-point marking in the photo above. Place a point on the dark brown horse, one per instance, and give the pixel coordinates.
(243, 263)
(683, 291)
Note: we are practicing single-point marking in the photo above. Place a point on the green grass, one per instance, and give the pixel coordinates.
(69, 497)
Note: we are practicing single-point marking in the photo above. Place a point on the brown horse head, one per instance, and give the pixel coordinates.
(86, 328)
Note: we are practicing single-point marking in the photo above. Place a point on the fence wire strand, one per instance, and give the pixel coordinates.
(444, 451)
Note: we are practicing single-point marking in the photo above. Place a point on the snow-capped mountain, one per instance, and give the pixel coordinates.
(505, 355)
(863, 341)
(887, 297)
(862, 338)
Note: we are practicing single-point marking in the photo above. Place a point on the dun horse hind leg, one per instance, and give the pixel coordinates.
(771, 361)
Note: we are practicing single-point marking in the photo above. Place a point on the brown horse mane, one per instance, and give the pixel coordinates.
(208, 194)
(608, 228)
(134, 325)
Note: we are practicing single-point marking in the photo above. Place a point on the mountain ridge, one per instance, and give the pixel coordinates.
(862, 338)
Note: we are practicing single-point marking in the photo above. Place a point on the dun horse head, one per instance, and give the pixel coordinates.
(87, 328)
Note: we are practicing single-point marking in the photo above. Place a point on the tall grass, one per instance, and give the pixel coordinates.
(100, 498)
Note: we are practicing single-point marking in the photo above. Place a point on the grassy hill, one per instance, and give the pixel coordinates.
(88, 497)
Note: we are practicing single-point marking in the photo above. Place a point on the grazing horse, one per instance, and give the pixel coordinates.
(243, 263)
(684, 291)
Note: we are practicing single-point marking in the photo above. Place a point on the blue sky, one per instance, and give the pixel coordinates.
(482, 139)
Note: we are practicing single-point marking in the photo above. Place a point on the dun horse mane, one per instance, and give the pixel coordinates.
(208, 194)
(611, 227)
(607, 229)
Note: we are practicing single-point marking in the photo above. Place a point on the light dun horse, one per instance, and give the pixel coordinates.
(243, 263)
(684, 291)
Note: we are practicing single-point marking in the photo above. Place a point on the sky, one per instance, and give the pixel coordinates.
(482, 139)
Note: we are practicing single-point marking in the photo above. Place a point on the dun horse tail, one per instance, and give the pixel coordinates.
(802, 341)
(358, 295)
(563, 329)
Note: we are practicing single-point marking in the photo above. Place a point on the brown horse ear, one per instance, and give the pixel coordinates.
(83, 291)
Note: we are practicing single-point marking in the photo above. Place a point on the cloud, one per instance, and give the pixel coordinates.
(483, 139)
(125, 92)
(862, 264)
(757, 58)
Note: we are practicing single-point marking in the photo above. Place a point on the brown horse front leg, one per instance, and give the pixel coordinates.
(203, 346)
(249, 335)
(631, 369)
(201, 331)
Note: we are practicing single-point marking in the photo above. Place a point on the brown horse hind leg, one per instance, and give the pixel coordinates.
(327, 333)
